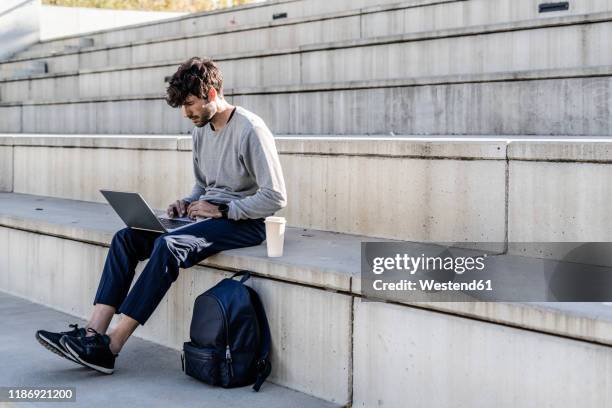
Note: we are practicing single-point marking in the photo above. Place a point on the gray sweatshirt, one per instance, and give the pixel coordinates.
(238, 165)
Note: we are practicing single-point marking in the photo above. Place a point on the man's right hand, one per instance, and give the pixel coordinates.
(178, 208)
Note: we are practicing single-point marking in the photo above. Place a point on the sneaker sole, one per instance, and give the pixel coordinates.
(74, 354)
(49, 345)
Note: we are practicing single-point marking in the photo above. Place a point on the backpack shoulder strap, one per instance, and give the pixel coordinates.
(264, 367)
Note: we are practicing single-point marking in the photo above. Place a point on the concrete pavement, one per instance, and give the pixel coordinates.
(146, 375)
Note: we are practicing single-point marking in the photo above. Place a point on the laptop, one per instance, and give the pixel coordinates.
(137, 214)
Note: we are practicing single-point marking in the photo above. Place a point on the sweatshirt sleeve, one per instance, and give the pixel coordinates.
(261, 160)
(200, 179)
(196, 192)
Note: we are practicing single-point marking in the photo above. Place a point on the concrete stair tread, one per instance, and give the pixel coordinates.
(396, 5)
(178, 20)
(147, 374)
(311, 257)
(190, 16)
(352, 43)
(462, 104)
(26, 54)
(512, 76)
(360, 7)
(314, 258)
(592, 149)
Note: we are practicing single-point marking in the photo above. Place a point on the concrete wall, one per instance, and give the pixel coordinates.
(468, 51)
(231, 18)
(57, 21)
(6, 168)
(411, 357)
(563, 106)
(81, 173)
(258, 38)
(562, 102)
(311, 351)
(379, 17)
(366, 23)
(442, 189)
(11, 119)
(551, 201)
(341, 348)
(543, 190)
(19, 25)
(433, 200)
(448, 192)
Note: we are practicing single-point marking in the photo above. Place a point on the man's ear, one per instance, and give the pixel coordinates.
(212, 94)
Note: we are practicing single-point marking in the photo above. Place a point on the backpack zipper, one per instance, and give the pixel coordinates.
(228, 353)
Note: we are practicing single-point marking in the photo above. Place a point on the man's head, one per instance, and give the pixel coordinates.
(196, 87)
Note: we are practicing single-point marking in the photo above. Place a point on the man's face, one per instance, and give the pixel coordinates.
(199, 110)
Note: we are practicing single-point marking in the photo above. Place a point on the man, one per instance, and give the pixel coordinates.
(239, 182)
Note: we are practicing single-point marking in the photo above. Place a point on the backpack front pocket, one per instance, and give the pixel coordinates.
(202, 363)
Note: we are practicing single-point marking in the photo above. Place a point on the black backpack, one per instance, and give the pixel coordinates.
(230, 337)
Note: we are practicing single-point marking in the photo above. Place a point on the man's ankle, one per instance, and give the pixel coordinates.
(115, 346)
(89, 333)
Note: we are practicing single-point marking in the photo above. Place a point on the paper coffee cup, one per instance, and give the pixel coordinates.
(275, 236)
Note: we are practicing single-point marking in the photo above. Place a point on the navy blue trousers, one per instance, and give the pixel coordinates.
(166, 253)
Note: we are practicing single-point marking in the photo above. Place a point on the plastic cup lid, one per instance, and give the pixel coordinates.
(276, 219)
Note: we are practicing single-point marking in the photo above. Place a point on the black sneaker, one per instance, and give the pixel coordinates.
(51, 340)
(92, 351)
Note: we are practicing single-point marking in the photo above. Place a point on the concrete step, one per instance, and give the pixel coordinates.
(71, 45)
(323, 331)
(310, 352)
(146, 375)
(404, 18)
(458, 166)
(485, 190)
(224, 19)
(474, 50)
(24, 68)
(412, 16)
(516, 103)
(235, 18)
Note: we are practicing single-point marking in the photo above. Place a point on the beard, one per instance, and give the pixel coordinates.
(205, 118)
(201, 123)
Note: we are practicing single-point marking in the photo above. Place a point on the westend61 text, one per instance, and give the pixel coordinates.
(432, 285)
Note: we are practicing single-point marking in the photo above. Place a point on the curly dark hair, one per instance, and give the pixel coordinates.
(193, 77)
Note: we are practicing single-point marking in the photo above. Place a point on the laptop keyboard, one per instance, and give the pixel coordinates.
(172, 224)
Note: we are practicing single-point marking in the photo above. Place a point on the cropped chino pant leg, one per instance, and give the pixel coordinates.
(166, 253)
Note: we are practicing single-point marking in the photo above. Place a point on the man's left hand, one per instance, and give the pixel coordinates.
(203, 209)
